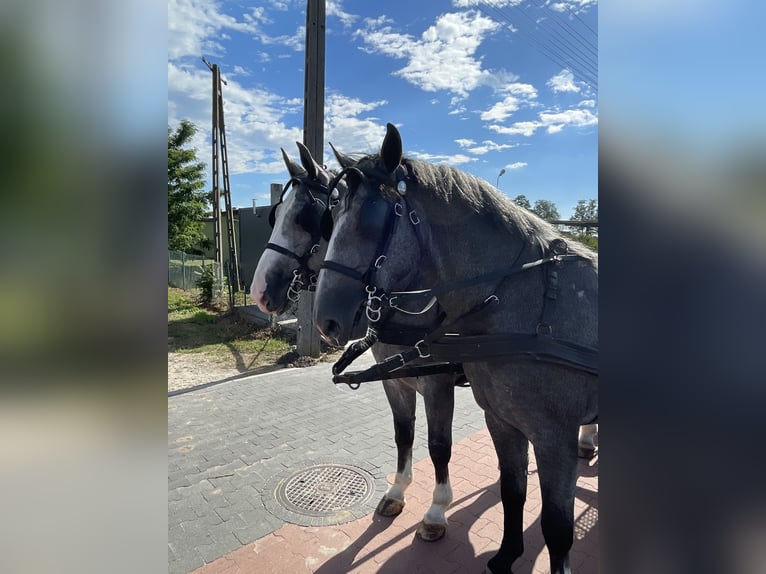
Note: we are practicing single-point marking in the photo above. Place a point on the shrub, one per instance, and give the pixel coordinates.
(206, 284)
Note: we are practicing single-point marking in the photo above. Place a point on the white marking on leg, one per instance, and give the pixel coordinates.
(441, 500)
(401, 482)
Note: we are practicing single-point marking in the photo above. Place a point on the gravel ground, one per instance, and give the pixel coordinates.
(187, 370)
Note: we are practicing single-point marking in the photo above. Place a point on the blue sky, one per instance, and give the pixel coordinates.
(508, 84)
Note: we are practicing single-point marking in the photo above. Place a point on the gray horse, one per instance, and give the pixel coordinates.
(296, 250)
(523, 301)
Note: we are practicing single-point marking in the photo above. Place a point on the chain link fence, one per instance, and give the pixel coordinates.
(184, 270)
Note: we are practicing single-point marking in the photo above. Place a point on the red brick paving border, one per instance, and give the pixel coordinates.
(374, 544)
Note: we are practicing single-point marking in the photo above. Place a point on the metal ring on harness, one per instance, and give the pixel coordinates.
(392, 304)
(294, 290)
(420, 353)
(374, 308)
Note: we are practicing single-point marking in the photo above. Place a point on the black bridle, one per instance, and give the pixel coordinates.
(303, 276)
(393, 211)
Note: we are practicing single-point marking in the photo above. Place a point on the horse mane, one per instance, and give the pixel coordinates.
(451, 185)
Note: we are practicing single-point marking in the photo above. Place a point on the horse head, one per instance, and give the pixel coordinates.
(375, 246)
(296, 247)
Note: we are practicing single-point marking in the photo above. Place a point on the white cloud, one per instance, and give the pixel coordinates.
(348, 127)
(334, 8)
(576, 117)
(526, 129)
(455, 159)
(516, 165)
(553, 122)
(194, 27)
(519, 95)
(495, 4)
(501, 110)
(574, 6)
(443, 58)
(563, 82)
(485, 147)
(257, 122)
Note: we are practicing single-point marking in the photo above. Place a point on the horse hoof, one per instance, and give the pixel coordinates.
(390, 507)
(431, 532)
(586, 452)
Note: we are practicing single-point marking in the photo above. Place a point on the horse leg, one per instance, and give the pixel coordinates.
(401, 398)
(586, 446)
(557, 469)
(439, 398)
(512, 450)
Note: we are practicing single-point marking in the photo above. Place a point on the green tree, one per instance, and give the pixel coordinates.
(586, 210)
(522, 201)
(546, 209)
(186, 200)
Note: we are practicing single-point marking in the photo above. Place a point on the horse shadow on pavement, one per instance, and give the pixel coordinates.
(456, 552)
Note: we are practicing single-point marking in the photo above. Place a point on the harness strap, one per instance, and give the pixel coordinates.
(302, 259)
(355, 378)
(395, 363)
(343, 270)
(354, 351)
(501, 347)
(399, 297)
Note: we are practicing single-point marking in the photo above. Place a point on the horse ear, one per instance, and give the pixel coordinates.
(308, 160)
(391, 149)
(292, 166)
(343, 160)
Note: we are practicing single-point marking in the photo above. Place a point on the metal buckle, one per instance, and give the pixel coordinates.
(314, 248)
(398, 209)
(493, 298)
(414, 217)
(379, 262)
(420, 353)
(397, 356)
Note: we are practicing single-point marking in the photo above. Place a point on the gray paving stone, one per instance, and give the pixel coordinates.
(189, 561)
(260, 428)
(224, 543)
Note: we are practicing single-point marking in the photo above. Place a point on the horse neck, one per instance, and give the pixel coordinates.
(459, 244)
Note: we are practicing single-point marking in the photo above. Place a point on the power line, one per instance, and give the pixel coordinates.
(582, 61)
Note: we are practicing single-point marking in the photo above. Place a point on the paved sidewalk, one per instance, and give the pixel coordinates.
(229, 443)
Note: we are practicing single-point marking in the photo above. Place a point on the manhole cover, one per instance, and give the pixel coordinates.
(324, 494)
(325, 490)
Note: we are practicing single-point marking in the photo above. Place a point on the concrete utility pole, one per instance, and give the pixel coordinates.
(313, 139)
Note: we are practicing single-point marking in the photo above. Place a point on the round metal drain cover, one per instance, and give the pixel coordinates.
(324, 494)
(325, 490)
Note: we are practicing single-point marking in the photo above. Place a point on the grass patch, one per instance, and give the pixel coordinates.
(180, 301)
(223, 337)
